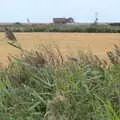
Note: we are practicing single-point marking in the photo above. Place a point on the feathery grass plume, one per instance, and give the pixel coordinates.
(117, 50)
(72, 59)
(114, 56)
(91, 59)
(43, 56)
(12, 38)
(9, 34)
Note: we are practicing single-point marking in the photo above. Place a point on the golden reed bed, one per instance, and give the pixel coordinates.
(66, 42)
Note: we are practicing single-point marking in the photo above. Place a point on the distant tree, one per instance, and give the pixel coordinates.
(28, 20)
(96, 18)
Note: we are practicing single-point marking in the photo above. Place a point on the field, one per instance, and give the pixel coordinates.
(97, 43)
(42, 85)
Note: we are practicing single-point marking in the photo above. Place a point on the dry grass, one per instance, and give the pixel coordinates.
(99, 44)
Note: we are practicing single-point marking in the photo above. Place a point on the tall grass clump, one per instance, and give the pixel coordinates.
(43, 85)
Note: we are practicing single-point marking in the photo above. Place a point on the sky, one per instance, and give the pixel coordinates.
(44, 10)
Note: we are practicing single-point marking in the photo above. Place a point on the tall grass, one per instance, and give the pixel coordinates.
(42, 85)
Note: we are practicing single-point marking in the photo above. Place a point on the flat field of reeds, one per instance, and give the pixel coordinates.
(97, 43)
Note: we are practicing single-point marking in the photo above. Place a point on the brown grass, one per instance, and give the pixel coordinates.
(99, 44)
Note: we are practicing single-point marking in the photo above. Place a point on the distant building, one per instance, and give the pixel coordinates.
(63, 20)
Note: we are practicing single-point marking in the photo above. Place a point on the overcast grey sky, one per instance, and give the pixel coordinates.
(45, 10)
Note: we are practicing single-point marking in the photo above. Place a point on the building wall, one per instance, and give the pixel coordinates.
(62, 20)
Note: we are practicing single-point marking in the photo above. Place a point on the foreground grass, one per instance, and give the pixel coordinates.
(42, 86)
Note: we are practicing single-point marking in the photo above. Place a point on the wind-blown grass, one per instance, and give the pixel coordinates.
(41, 85)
